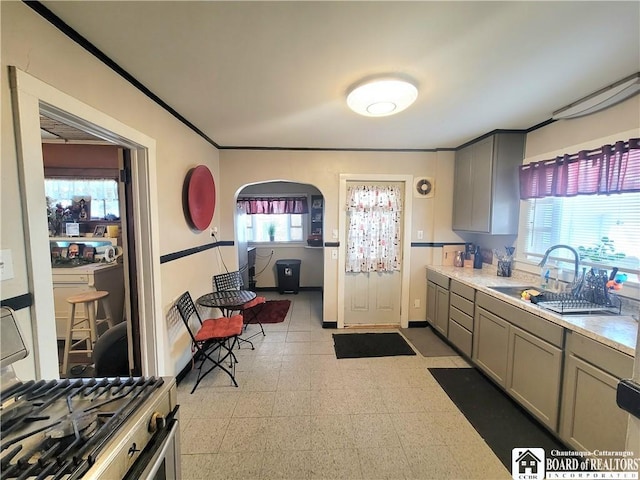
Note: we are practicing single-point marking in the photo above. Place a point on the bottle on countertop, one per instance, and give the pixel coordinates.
(477, 258)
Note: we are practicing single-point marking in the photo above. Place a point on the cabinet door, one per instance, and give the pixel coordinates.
(590, 418)
(442, 310)
(491, 344)
(481, 185)
(431, 303)
(533, 375)
(462, 193)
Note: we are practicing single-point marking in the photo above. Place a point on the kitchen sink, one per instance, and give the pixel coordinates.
(514, 291)
(564, 303)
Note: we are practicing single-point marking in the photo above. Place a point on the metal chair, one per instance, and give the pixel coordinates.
(250, 311)
(210, 336)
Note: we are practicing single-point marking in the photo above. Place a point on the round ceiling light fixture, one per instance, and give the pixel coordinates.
(381, 96)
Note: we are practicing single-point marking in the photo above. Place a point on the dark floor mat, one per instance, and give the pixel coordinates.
(359, 345)
(502, 423)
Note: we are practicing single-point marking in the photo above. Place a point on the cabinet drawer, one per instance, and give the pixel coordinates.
(460, 317)
(461, 304)
(464, 291)
(76, 278)
(611, 361)
(538, 326)
(438, 279)
(460, 337)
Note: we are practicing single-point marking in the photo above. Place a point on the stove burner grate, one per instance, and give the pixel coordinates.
(58, 429)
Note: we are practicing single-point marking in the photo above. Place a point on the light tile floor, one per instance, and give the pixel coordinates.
(300, 413)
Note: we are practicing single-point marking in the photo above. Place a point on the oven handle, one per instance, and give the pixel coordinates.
(149, 462)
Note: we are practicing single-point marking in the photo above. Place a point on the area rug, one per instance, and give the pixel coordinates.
(360, 345)
(501, 422)
(427, 342)
(274, 311)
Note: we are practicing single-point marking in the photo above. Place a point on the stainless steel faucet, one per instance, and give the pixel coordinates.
(576, 258)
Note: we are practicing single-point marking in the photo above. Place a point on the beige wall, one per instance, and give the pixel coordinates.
(322, 170)
(587, 132)
(34, 46)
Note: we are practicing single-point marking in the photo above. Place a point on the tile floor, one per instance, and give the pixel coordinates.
(300, 413)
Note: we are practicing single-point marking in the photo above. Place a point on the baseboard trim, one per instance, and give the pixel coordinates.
(418, 324)
(300, 289)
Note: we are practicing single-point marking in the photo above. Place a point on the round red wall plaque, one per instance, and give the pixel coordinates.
(201, 196)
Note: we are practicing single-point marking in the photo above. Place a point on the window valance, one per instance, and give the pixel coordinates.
(273, 205)
(609, 169)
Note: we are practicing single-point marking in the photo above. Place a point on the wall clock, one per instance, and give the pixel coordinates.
(199, 197)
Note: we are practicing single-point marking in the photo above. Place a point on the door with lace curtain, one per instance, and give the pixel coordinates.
(373, 273)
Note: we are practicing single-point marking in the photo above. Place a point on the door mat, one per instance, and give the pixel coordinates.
(501, 422)
(361, 345)
(428, 343)
(274, 311)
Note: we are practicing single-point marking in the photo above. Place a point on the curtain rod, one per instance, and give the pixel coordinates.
(576, 156)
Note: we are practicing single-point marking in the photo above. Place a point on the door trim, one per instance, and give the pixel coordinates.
(30, 97)
(406, 238)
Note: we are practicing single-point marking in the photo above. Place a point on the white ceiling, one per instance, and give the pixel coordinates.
(274, 74)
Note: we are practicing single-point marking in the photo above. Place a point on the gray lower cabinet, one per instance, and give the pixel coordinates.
(461, 309)
(491, 344)
(438, 301)
(522, 353)
(590, 418)
(534, 371)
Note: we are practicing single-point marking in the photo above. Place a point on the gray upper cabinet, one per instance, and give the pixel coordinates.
(486, 187)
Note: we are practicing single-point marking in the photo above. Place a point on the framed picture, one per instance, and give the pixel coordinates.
(100, 231)
(72, 229)
(89, 253)
(81, 207)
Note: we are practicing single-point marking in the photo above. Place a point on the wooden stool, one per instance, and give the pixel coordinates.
(87, 325)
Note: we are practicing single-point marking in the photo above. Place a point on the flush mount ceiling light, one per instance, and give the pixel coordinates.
(381, 96)
(604, 98)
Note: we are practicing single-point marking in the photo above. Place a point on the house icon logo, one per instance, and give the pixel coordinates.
(527, 463)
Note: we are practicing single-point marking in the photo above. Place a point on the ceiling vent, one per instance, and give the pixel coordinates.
(601, 99)
(423, 187)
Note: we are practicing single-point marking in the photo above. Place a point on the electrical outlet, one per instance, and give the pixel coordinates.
(272, 252)
(420, 234)
(416, 303)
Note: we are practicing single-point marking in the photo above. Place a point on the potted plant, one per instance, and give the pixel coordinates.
(602, 252)
(272, 231)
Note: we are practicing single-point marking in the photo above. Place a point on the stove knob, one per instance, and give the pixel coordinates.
(158, 421)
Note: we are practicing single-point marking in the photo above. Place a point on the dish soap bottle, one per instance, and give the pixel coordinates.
(477, 258)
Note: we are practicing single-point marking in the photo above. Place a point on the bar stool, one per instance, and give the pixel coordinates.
(88, 325)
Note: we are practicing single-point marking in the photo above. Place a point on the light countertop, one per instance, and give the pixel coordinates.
(85, 269)
(616, 331)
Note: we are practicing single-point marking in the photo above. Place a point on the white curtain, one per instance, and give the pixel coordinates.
(373, 241)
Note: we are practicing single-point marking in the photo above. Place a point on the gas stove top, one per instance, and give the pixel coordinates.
(66, 429)
(89, 428)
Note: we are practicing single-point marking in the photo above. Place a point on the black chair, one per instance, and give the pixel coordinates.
(213, 335)
(250, 311)
(111, 352)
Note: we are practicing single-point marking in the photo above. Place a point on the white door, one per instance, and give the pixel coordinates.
(374, 298)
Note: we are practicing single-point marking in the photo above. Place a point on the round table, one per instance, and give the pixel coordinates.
(227, 300)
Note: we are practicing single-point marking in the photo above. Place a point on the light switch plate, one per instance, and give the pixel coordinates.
(6, 265)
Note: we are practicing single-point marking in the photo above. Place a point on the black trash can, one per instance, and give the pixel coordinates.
(288, 275)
